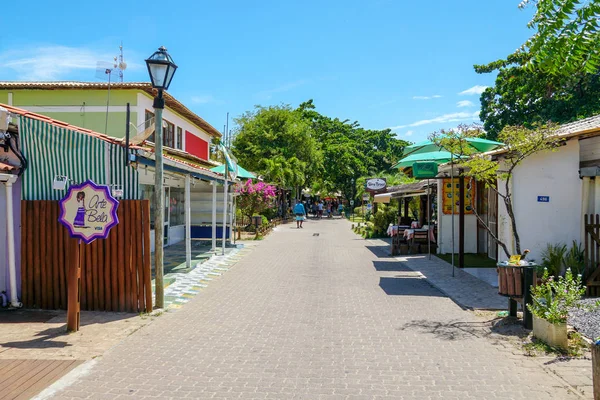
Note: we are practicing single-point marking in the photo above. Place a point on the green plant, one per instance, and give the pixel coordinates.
(384, 216)
(554, 296)
(575, 259)
(553, 258)
(368, 215)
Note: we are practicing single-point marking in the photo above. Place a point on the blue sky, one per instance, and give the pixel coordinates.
(397, 64)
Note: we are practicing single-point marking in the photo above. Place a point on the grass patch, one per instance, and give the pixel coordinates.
(471, 260)
(577, 347)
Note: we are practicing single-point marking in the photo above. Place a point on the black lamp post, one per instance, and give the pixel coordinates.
(161, 69)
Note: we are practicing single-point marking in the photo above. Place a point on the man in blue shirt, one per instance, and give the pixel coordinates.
(300, 212)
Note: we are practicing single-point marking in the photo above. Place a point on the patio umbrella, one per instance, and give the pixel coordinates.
(477, 144)
(241, 172)
(429, 151)
(440, 157)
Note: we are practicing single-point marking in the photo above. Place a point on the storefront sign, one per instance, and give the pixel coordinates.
(376, 184)
(451, 195)
(88, 211)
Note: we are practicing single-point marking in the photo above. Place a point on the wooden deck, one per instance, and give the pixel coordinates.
(23, 379)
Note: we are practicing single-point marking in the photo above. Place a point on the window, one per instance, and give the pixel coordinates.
(168, 134)
(179, 143)
(177, 207)
(148, 120)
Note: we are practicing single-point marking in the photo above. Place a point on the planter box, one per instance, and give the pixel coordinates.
(553, 334)
(510, 281)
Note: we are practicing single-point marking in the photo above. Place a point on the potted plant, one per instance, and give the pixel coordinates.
(551, 302)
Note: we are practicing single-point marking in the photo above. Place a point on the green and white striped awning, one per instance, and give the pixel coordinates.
(53, 150)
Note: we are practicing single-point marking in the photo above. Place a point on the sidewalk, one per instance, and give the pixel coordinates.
(466, 290)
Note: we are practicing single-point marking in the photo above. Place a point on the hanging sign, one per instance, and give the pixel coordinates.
(88, 211)
(376, 185)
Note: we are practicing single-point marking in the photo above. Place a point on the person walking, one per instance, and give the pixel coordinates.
(320, 209)
(300, 212)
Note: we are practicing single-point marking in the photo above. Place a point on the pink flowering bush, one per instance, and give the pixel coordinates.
(255, 198)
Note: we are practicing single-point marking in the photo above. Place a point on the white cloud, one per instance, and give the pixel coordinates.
(465, 103)
(267, 94)
(435, 96)
(477, 89)
(45, 63)
(453, 117)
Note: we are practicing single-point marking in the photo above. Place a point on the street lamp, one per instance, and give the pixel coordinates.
(161, 69)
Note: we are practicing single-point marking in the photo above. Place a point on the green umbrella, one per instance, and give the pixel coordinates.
(440, 157)
(477, 144)
(241, 172)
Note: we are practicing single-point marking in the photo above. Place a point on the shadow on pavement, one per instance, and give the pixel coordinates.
(408, 286)
(391, 266)
(26, 316)
(42, 340)
(379, 251)
(450, 330)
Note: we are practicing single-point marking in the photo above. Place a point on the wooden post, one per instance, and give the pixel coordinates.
(529, 281)
(512, 307)
(596, 370)
(74, 285)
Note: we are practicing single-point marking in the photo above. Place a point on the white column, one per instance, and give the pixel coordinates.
(214, 216)
(225, 188)
(188, 222)
(10, 230)
(232, 232)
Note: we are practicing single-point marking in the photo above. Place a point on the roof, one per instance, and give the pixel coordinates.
(146, 87)
(586, 126)
(411, 188)
(181, 157)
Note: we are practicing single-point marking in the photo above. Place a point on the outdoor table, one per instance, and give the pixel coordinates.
(410, 233)
(393, 229)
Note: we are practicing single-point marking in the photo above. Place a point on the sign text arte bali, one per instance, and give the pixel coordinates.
(376, 185)
(88, 211)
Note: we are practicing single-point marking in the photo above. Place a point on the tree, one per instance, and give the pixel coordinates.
(553, 76)
(254, 198)
(278, 134)
(350, 151)
(520, 143)
(521, 96)
(567, 38)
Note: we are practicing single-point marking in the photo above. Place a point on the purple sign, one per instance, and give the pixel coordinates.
(88, 211)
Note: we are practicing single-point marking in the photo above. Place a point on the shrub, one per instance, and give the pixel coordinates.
(384, 216)
(575, 259)
(553, 258)
(554, 296)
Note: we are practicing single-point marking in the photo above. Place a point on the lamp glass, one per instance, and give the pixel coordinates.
(161, 69)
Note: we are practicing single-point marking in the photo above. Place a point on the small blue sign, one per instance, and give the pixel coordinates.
(543, 199)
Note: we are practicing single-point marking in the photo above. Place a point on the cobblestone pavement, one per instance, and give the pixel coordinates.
(315, 317)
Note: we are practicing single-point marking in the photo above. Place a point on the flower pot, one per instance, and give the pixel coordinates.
(510, 280)
(554, 335)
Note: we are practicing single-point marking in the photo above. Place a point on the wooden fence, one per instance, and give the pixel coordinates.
(115, 272)
(592, 253)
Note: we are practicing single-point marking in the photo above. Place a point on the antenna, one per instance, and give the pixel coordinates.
(110, 72)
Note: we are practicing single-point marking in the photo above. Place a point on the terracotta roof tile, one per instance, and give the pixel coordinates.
(170, 101)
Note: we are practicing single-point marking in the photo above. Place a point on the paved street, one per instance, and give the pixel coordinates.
(315, 317)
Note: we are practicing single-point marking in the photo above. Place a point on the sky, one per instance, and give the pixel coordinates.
(407, 66)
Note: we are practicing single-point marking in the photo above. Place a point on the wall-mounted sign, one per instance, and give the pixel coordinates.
(451, 195)
(376, 184)
(88, 211)
(543, 199)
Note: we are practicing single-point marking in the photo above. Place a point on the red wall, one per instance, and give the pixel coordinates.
(196, 146)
